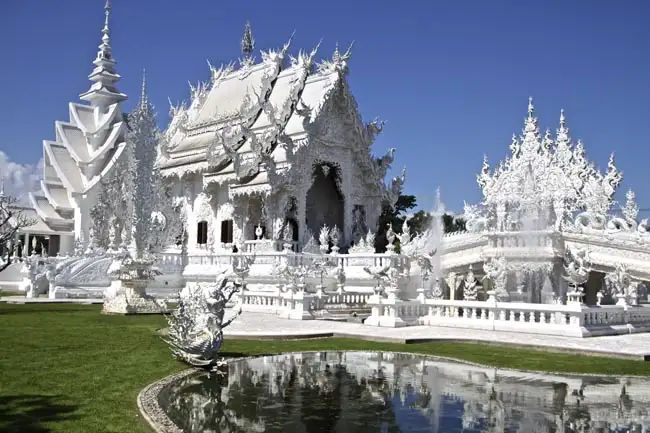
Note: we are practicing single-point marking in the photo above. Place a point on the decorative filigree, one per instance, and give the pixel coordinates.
(549, 173)
(496, 271)
(196, 328)
(469, 286)
(338, 63)
(623, 286)
(577, 272)
(394, 190)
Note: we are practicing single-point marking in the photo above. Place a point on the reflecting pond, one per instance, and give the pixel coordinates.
(368, 392)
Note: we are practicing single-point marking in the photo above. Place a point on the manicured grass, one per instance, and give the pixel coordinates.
(69, 369)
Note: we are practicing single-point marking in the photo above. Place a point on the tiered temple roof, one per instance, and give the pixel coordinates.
(87, 147)
(234, 123)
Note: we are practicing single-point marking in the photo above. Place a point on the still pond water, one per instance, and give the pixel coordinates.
(367, 392)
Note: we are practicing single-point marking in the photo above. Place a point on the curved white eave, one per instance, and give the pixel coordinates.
(116, 130)
(59, 172)
(42, 215)
(46, 192)
(107, 169)
(97, 126)
(64, 139)
(110, 141)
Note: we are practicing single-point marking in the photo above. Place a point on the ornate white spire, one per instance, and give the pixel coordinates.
(530, 142)
(247, 42)
(631, 209)
(563, 144)
(143, 91)
(103, 91)
(247, 47)
(339, 62)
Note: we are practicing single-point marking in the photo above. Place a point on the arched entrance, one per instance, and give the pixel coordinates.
(324, 199)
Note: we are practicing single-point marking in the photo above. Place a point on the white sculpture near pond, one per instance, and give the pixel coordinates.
(196, 328)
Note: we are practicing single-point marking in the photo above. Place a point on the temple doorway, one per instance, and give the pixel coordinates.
(324, 199)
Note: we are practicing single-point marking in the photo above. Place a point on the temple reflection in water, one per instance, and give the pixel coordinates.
(359, 392)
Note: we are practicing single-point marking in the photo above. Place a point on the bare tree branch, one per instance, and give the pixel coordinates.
(12, 220)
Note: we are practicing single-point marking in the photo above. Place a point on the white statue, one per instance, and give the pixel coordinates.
(469, 286)
(381, 275)
(496, 272)
(577, 273)
(623, 286)
(196, 328)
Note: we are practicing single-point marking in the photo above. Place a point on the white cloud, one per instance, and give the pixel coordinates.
(20, 179)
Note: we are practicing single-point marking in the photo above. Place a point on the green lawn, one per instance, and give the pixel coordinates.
(69, 369)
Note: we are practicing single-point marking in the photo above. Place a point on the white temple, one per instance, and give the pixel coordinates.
(273, 151)
(545, 201)
(269, 168)
(84, 151)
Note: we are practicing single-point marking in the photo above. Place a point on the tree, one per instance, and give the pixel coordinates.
(395, 217)
(418, 223)
(12, 220)
(452, 224)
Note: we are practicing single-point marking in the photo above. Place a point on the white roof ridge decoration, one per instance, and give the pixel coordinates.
(263, 148)
(308, 93)
(87, 147)
(549, 171)
(184, 117)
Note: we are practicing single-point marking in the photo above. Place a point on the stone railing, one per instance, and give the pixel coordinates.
(554, 319)
(298, 305)
(269, 245)
(629, 318)
(171, 261)
(347, 298)
(394, 313)
(202, 265)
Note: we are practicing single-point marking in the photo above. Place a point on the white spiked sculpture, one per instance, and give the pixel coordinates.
(196, 328)
(133, 270)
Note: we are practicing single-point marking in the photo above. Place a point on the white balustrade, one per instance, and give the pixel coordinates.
(171, 262)
(299, 305)
(553, 319)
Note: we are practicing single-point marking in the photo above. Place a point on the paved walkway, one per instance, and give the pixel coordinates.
(260, 325)
(269, 326)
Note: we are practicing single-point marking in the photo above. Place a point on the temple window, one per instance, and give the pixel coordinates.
(227, 231)
(202, 233)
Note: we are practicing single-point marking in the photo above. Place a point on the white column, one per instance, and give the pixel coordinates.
(15, 245)
(26, 246)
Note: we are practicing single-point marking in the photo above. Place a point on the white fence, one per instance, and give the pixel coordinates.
(554, 319)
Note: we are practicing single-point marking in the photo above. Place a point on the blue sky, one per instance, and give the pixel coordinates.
(451, 78)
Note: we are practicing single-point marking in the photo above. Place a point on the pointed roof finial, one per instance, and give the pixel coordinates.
(247, 42)
(143, 93)
(106, 30)
(336, 56)
(104, 76)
